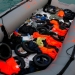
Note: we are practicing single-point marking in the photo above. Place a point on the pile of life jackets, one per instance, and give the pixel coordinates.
(50, 41)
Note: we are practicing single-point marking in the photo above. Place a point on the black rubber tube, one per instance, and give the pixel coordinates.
(5, 51)
(41, 65)
(18, 53)
(21, 61)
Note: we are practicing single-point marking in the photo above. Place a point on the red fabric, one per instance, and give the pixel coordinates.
(5, 68)
(16, 33)
(50, 52)
(15, 66)
(9, 67)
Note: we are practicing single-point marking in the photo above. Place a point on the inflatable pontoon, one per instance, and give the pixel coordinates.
(13, 18)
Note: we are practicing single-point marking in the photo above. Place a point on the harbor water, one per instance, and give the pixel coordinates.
(6, 4)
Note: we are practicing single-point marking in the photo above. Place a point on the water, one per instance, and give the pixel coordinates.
(5, 4)
(68, 1)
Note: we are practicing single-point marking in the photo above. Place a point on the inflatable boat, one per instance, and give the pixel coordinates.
(13, 18)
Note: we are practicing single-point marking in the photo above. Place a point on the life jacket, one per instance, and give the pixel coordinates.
(50, 40)
(9, 66)
(59, 31)
(54, 22)
(36, 35)
(51, 52)
(56, 28)
(53, 42)
(61, 13)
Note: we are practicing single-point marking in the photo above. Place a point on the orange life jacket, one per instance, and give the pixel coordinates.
(50, 40)
(56, 28)
(54, 22)
(36, 35)
(59, 31)
(53, 42)
(61, 13)
(50, 52)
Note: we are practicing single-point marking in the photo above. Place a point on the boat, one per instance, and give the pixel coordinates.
(13, 18)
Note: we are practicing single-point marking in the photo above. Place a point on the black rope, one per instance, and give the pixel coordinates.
(67, 50)
(69, 61)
